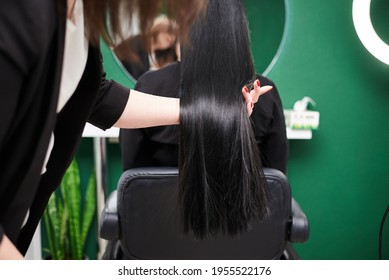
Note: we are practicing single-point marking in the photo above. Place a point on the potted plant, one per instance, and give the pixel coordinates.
(67, 223)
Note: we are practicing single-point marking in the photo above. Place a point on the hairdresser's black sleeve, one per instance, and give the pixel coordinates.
(110, 104)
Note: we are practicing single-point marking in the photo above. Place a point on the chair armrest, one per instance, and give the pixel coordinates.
(109, 220)
(299, 231)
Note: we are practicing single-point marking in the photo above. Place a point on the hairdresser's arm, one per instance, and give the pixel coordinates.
(143, 110)
(116, 106)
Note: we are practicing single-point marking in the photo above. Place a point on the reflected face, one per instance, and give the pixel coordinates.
(164, 40)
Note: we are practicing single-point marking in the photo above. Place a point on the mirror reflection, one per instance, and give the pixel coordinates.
(164, 47)
(161, 50)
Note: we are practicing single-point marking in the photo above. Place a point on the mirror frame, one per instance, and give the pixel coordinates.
(116, 71)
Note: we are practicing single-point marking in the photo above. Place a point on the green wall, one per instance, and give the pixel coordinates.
(340, 177)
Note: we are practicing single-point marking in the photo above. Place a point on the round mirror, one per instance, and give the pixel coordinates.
(266, 22)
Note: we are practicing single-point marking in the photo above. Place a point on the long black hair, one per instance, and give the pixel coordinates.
(222, 187)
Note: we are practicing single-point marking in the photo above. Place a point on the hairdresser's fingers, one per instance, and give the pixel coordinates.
(258, 91)
(262, 90)
(252, 96)
(249, 107)
(249, 101)
(247, 95)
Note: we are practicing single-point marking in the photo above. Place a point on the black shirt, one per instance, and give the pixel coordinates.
(158, 146)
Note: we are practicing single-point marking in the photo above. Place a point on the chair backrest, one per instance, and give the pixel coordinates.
(147, 205)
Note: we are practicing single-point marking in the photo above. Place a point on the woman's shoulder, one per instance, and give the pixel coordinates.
(265, 81)
(169, 71)
(164, 81)
(269, 104)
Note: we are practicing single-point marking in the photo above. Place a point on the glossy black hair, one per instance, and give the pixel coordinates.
(222, 187)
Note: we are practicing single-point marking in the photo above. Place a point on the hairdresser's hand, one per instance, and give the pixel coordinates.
(253, 96)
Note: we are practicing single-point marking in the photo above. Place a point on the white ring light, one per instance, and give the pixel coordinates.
(366, 32)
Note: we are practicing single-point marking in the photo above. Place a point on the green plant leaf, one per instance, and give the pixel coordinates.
(67, 232)
(53, 228)
(89, 208)
(63, 215)
(71, 185)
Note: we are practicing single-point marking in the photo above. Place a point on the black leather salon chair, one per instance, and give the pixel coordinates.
(141, 221)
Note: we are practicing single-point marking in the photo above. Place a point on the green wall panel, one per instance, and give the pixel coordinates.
(340, 177)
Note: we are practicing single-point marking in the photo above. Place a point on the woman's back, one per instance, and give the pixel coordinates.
(221, 186)
(158, 146)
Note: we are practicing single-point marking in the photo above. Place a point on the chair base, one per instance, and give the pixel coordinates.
(113, 251)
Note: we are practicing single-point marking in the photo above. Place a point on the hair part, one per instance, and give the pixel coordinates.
(222, 186)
